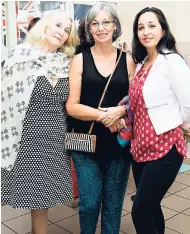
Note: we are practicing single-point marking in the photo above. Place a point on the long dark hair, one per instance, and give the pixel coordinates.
(84, 45)
(167, 41)
(81, 32)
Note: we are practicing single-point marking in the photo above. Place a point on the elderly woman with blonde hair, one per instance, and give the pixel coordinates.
(36, 172)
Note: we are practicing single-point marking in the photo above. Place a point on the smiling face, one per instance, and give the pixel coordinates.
(102, 27)
(57, 32)
(149, 30)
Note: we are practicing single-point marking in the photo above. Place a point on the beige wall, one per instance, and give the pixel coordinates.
(176, 12)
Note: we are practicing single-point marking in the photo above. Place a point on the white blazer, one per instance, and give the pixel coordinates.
(166, 92)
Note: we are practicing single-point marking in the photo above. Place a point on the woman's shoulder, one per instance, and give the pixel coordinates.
(176, 66)
(83, 56)
(77, 58)
(76, 64)
(21, 46)
(177, 63)
(174, 59)
(15, 54)
(130, 64)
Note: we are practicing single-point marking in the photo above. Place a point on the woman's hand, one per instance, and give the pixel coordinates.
(124, 47)
(117, 126)
(113, 114)
(102, 114)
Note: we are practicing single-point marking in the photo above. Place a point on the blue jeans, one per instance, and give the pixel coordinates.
(101, 186)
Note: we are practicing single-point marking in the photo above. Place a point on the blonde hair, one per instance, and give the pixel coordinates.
(36, 36)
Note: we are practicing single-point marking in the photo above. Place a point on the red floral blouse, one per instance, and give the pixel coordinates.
(147, 145)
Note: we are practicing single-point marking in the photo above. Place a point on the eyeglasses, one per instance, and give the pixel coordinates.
(105, 23)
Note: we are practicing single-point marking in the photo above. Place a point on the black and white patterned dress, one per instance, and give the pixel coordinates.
(41, 174)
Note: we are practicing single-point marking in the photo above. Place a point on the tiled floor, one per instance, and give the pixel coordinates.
(64, 219)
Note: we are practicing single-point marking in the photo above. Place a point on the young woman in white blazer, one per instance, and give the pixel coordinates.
(160, 101)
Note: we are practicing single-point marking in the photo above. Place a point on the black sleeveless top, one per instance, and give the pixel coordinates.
(93, 84)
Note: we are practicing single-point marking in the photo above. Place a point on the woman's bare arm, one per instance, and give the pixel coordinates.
(73, 106)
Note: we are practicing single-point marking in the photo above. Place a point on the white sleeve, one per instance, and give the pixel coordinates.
(180, 83)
